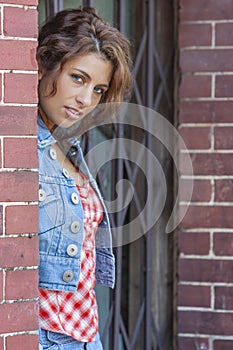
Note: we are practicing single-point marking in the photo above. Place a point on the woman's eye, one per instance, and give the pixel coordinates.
(99, 90)
(77, 78)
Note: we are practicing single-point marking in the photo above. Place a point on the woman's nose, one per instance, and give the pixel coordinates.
(84, 96)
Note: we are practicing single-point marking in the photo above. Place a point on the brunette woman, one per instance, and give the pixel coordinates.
(83, 61)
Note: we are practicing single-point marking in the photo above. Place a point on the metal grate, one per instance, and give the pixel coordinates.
(52, 7)
(145, 267)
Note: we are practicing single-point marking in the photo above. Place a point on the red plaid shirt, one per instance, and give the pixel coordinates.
(76, 314)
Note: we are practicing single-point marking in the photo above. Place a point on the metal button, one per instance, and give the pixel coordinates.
(74, 198)
(75, 226)
(73, 150)
(65, 172)
(42, 195)
(72, 250)
(68, 276)
(53, 153)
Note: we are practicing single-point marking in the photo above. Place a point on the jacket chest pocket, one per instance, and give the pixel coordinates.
(51, 206)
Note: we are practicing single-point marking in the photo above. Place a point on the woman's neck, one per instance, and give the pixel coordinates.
(50, 125)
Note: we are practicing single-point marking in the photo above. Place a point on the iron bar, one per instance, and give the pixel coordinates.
(161, 86)
(107, 324)
(49, 8)
(118, 289)
(120, 175)
(140, 53)
(138, 324)
(89, 3)
(122, 16)
(137, 94)
(150, 98)
(52, 7)
(159, 341)
(124, 334)
(58, 5)
(150, 49)
(162, 75)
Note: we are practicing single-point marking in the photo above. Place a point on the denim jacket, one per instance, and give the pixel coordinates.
(61, 220)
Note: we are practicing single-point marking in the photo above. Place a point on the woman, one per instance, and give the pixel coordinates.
(83, 62)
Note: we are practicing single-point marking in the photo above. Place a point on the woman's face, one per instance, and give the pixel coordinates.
(80, 86)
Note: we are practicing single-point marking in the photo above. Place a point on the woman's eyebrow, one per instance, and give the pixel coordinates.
(88, 76)
(83, 72)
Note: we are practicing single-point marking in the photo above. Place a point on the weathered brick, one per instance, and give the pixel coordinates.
(19, 316)
(205, 111)
(195, 86)
(199, 322)
(223, 298)
(20, 88)
(19, 252)
(195, 34)
(224, 86)
(223, 243)
(202, 190)
(1, 220)
(21, 284)
(23, 188)
(20, 2)
(194, 296)
(224, 190)
(192, 343)
(0, 21)
(208, 217)
(1, 165)
(16, 120)
(16, 54)
(19, 219)
(186, 165)
(18, 186)
(194, 243)
(224, 34)
(20, 153)
(26, 24)
(1, 287)
(207, 164)
(0, 80)
(223, 137)
(206, 60)
(223, 344)
(206, 270)
(205, 10)
(22, 342)
(196, 137)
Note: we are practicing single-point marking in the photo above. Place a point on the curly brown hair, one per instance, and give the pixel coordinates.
(75, 32)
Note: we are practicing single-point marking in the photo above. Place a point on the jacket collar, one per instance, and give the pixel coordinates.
(69, 146)
(45, 137)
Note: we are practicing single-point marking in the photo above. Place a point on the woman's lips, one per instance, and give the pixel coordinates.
(73, 113)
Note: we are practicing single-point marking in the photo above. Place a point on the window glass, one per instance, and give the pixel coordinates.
(104, 7)
(72, 4)
(41, 12)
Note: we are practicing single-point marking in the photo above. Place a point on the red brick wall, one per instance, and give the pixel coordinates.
(18, 175)
(205, 290)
